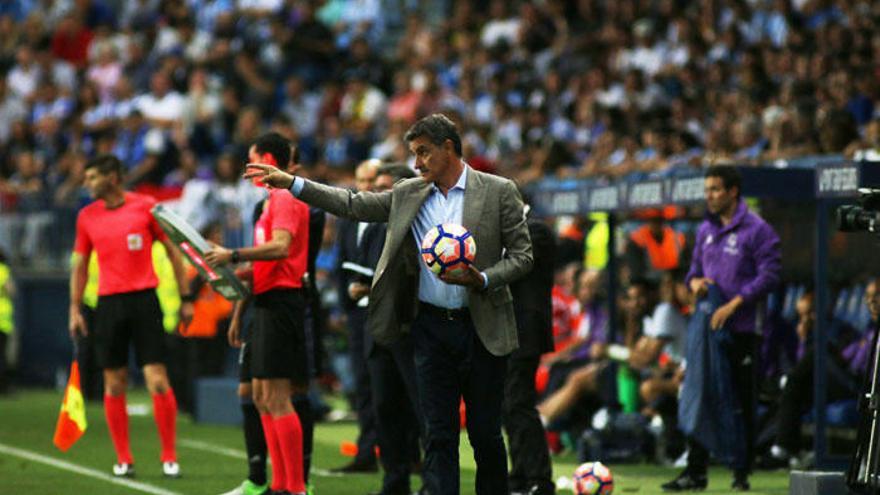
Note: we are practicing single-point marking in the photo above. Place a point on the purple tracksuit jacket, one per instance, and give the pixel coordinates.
(743, 258)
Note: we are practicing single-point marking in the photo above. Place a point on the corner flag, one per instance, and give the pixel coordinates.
(72, 418)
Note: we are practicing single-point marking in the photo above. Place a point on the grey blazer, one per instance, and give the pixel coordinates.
(493, 212)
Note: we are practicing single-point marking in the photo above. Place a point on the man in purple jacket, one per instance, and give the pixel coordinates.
(737, 251)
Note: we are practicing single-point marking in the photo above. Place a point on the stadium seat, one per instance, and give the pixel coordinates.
(840, 304)
(856, 297)
(842, 414)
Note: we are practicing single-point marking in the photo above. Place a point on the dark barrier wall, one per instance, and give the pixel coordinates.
(41, 323)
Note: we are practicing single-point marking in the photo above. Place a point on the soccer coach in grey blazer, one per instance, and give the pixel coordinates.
(462, 326)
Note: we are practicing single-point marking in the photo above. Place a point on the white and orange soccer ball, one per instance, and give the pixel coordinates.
(448, 248)
(593, 478)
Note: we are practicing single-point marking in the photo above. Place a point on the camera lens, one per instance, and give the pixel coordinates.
(853, 218)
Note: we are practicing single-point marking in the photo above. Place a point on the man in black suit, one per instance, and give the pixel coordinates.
(530, 460)
(391, 367)
(349, 236)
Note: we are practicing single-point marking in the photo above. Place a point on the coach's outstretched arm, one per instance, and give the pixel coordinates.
(361, 206)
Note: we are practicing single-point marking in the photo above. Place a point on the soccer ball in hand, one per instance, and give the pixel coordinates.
(448, 248)
(593, 478)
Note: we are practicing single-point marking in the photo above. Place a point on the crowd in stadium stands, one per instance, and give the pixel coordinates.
(556, 88)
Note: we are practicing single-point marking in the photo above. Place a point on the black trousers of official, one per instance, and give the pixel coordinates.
(797, 396)
(396, 403)
(90, 372)
(742, 354)
(529, 454)
(363, 395)
(452, 363)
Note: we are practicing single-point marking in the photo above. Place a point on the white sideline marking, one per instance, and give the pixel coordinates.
(93, 473)
(240, 454)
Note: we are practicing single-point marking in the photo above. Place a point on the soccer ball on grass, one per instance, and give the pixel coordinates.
(593, 478)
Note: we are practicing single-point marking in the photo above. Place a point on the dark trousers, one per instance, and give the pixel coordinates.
(529, 455)
(90, 372)
(743, 357)
(451, 363)
(363, 396)
(395, 399)
(797, 396)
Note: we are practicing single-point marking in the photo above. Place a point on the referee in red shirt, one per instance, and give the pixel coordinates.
(278, 351)
(119, 227)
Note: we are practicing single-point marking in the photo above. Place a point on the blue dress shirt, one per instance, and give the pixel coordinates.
(436, 209)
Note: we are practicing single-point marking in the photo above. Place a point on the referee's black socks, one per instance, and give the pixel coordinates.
(255, 442)
(303, 407)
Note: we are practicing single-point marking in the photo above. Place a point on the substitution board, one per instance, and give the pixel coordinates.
(194, 247)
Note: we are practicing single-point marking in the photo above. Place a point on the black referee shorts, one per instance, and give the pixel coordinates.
(276, 345)
(121, 319)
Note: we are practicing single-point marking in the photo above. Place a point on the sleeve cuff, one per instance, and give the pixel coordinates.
(297, 186)
(485, 280)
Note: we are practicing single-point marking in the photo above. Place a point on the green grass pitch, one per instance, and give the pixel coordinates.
(212, 457)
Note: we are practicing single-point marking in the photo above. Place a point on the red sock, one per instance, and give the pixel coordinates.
(117, 423)
(279, 481)
(290, 438)
(165, 414)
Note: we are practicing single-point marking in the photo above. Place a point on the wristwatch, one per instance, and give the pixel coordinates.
(236, 256)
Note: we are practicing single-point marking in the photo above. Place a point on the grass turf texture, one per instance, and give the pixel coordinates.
(211, 457)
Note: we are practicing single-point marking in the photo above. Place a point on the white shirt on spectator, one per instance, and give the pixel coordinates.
(23, 81)
(500, 29)
(263, 5)
(303, 113)
(667, 323)
(168, 107)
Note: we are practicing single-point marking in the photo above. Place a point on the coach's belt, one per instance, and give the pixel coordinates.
(456, 314)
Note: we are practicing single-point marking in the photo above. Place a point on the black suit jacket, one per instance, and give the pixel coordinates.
(346, 239)
(532, 294)
(370, 250)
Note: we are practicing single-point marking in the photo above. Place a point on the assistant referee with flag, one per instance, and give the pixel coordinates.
(119, 227)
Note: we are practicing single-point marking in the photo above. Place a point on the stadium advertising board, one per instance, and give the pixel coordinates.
(604, 198)
(685, 190)
(646, 194)
(837, 181)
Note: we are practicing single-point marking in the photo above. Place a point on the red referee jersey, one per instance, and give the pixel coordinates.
(123, 239)
(282, 212)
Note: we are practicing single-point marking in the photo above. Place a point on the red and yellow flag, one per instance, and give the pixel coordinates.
(72, 418)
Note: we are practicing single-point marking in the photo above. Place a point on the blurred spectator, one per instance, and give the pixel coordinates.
(845, 371)
(71, 40)
(654, 247)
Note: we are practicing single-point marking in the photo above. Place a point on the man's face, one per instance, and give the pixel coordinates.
(872, 299)
(638, 299)
(383, 183)
(364, 178)
(719, 199)
(97, 183)
(432, 160)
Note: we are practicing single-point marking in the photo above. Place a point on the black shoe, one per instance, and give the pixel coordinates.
(740, 482)
(686, 482)
(357, 467)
